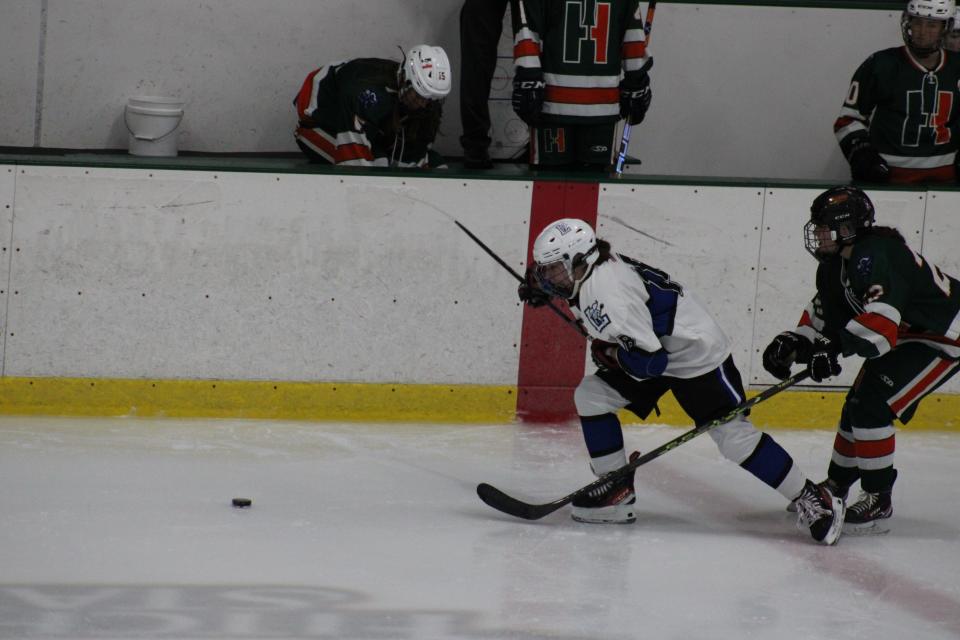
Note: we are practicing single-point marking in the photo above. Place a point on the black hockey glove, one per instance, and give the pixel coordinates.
(823, 365)
(604, 355)
(635, 94)
(529, 89)
(866, 164)
(530, 291)
(783, 351)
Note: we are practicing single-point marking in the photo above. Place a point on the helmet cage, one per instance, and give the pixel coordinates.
(564, 254)
(844, 211)
(940, 10)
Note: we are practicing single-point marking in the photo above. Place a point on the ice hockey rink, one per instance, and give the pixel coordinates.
(123, 528)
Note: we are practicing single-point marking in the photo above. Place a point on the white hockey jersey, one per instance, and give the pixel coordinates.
(635, 305)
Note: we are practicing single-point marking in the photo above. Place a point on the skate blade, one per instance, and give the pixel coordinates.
(605, 515)
(875, 528)
(629, 520)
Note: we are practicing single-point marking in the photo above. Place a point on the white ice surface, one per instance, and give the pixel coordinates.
(123, 529)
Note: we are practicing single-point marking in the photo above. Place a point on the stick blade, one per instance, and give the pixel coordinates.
(511, 506)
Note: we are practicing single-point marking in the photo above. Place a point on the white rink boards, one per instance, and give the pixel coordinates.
(135, 273)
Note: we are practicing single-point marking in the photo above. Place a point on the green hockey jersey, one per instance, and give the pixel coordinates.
(582, 46)
(350, 113)
(883, 295)
(910, 115)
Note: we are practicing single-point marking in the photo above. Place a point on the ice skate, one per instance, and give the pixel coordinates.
(821, 512)
(867, 515)
(611, 503)
(834, 488)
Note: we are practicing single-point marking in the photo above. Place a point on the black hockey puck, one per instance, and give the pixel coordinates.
(242, 503)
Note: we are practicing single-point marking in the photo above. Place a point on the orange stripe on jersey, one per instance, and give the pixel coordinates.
(353, 151)
(339, 153)
(881, 325)
(876, 448)
(319, 141)
(842, 122)
(928, 337)
(920, 388)
(634, 50)
(305, 95)
(901, 175)
(526, 48)
(583, 95)
(844, 447)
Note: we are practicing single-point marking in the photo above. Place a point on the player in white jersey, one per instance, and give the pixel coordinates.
(649, 336)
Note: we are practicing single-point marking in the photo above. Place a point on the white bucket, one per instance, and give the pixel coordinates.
(152, 122)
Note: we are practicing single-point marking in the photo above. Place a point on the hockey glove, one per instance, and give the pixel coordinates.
(529, 90)
(823, 365)
(635, 94)
(530, 291)
(823, 361)
(866, 164)
(604, 355)
(783, 351)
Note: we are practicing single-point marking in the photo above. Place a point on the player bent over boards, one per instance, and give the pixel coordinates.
(650, 336)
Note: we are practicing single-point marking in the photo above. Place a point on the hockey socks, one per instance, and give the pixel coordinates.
(773, 465)
(604, 439)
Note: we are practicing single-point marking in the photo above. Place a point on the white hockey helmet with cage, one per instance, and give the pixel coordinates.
(427, 69)
(564, 253)
(941, 10)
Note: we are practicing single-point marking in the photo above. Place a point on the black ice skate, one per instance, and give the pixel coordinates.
(833, 487)
(866, 515)
(821, 512)
(611, 503)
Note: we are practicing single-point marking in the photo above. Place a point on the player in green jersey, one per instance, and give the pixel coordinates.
(581, 66)
(374, 112)
(879, 299)
(900, 121)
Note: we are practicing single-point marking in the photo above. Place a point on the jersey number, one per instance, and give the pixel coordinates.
(938, 278)
(587, 26)
(652, 276)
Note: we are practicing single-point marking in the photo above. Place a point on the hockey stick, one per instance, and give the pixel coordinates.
(566, 318)
(627, 128)
(520, 509)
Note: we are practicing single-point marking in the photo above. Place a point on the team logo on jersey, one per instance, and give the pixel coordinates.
(368, 98)
(554, 140)
(587, 33)
(865, 266)
(886, 380)
(594, 313)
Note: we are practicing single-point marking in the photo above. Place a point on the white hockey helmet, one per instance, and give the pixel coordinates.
(564, 253)
(427, 69)
(941, 10)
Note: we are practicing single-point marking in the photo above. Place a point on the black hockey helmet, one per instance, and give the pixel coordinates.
(845, 211)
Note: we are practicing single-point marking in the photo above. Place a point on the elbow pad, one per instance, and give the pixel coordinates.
(642, 364)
